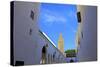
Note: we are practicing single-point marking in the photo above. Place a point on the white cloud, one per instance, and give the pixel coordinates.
(50, 17)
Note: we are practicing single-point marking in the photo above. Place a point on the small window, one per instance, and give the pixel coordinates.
(82, 34)
(30, 31)
(79, 17)
(32, 14)
(46, 45)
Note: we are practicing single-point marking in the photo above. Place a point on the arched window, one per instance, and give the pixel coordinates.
(43, 58)
(53, 57)
(54, 54)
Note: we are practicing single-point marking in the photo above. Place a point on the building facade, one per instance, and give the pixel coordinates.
(86, 38)
(29, 45)
(52, 53)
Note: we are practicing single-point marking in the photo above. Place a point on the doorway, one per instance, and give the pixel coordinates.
(43, 59)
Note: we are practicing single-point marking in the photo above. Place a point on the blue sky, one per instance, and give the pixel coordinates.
(59, 18)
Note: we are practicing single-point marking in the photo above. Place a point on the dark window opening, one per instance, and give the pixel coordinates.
(32, 15)
(82, 34)
(54, 56)
(44, 59)
(30, 32)
(79, 17)
(44, 49)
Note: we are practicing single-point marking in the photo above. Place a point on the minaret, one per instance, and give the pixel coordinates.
(61, 43)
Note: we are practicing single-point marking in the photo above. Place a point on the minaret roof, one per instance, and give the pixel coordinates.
(60, 37)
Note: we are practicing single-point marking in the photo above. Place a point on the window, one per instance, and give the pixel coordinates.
(32, 14)
(53, 57)
(82, 34)
(46, 45)
(43, 55)
(78, 40)
(79, 17)
(30, 31)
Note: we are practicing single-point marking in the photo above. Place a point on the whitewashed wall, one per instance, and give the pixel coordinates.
(28, 47)
(24, 43)
(87, 50)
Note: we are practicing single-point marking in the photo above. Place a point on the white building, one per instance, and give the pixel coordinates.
(28, 44)
(87, 33)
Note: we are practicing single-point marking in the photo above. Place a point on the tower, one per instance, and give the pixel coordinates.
(61, 43)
